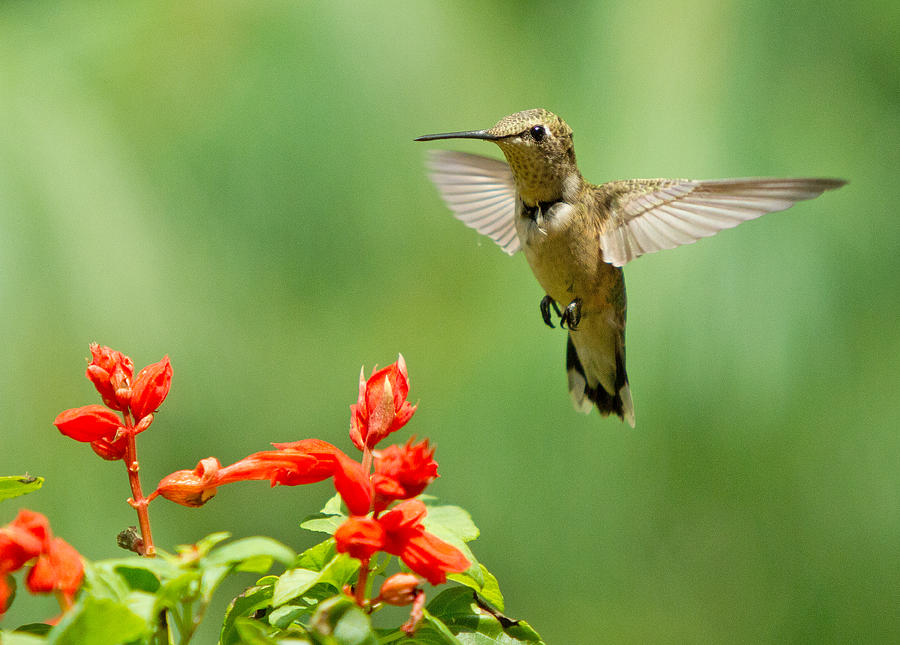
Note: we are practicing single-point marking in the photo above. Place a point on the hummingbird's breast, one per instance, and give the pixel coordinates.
(562, 245)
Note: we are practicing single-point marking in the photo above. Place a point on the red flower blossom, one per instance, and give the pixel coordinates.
(88, 423)
(402, 472)
(291, 464)
(110, 372)
(150, 388)
(57, 566)
(402, 534)
(381, 407)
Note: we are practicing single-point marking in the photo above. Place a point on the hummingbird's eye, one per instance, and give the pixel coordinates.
(538, 133)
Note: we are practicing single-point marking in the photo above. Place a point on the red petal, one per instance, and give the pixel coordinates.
(17, 546)
(6, 592)
(432, 558)
(110, 450)
(354, 486)
(59, 568)
(88, 423)
(404, 516)
(360, 537)
(150, 388)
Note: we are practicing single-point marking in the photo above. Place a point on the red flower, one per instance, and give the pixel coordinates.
(110, 372)
(402, 472)
(88, 423)
(301, 462)
(381, 407)
(402, 534)
(58, 568)
(150, 388)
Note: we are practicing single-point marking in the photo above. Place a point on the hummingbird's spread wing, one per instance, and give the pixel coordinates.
(649, 215)
(481, 193)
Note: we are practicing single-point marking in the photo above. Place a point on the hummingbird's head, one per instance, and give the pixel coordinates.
(538, 147)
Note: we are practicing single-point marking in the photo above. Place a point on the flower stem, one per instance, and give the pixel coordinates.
(361, 581)
(137, 501)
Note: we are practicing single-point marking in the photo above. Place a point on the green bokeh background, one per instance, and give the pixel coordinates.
(234, 184)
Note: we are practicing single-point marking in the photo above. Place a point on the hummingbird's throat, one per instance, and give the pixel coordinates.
(540, 179)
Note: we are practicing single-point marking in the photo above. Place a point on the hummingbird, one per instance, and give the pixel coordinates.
(577, 236)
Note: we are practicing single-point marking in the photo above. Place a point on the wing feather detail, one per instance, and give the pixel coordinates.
(481, 193)
(649, 215)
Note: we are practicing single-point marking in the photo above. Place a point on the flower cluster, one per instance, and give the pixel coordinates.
(135, 398)
(130, 404)
(401, 472)
(57, 566)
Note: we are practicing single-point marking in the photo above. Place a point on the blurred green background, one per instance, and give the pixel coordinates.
(234, 184)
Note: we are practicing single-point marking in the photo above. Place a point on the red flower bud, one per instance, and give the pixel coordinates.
(381, 407)
(150, 388)
(191, 487)
(400, 589)
(88, 423)
(110, 372)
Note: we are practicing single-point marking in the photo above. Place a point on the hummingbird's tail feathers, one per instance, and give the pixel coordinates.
(649, 215)
(480, 191)
(585, 397)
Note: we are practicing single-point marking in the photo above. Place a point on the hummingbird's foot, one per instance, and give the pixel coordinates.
(546, 303)
(572, 315)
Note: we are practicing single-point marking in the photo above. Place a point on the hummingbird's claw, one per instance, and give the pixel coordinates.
(546, 303)
(572, 315)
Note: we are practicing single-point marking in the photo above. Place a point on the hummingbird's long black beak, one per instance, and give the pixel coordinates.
(484, 135)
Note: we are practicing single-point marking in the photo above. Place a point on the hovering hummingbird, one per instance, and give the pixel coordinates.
(576, 235)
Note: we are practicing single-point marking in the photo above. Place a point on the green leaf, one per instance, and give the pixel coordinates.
(451, 519)
(139, 578)
(296, 582)
(338, 621)
(316, 557)
(328, 519)
(251, 553)
(489, 589)
(293, 583)
(98, 621)
(243, 606)
(474, 623)
(15, 485)
(37, 629)
(20, 638)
